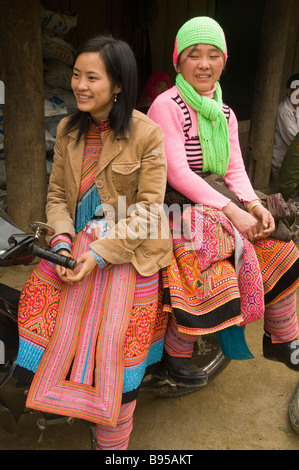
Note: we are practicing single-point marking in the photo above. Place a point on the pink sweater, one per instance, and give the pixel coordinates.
(181, 128)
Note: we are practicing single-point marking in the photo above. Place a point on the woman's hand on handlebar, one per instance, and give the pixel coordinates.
(65, 274)
(85, 264)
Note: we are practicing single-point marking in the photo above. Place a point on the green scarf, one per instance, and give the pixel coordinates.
(212, 126)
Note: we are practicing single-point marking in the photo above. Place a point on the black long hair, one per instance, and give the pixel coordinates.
(121, 68)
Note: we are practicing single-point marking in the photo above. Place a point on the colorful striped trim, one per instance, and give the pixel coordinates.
(89, 199)
(100, 262)
(30, 353)
(133, 375)
(71, 386)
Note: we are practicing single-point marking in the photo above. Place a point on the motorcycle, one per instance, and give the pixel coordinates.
(20, 248)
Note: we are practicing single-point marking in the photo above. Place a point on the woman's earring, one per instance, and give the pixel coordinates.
(115, 98)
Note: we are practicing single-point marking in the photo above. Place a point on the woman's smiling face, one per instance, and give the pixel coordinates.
(201, 66)
(92, 87)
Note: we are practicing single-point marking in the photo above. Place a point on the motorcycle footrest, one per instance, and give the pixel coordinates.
(43, 423)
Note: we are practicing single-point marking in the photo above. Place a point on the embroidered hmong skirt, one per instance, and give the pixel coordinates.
(217, 278)
(89, 346)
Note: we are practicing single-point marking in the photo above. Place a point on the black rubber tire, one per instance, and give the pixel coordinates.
(294, 409)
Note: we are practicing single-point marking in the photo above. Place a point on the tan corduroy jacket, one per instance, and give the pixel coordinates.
(131, 180)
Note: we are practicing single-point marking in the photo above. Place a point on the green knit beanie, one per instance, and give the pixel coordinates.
(199, 30)
(212, 124)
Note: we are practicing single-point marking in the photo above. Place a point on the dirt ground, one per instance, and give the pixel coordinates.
(244, 408)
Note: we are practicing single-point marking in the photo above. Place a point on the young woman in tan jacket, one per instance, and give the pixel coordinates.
(105, 201)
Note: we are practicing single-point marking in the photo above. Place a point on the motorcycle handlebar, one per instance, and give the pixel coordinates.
(56, 258)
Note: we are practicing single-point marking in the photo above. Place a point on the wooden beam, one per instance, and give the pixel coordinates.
(274, 37)
(21, 69)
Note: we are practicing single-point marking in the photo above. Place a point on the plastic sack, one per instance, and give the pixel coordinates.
(51, 124)
(57, 74)
(57, 22)
(52, 109)
(55, 47)
(49, 141)
(60, 97)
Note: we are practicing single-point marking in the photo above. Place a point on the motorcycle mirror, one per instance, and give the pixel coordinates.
(40, 229)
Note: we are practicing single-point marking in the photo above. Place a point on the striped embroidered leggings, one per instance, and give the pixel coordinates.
(117, 438)
(280, 320)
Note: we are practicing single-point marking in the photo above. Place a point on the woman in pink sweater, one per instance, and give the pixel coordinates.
(226, 271)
